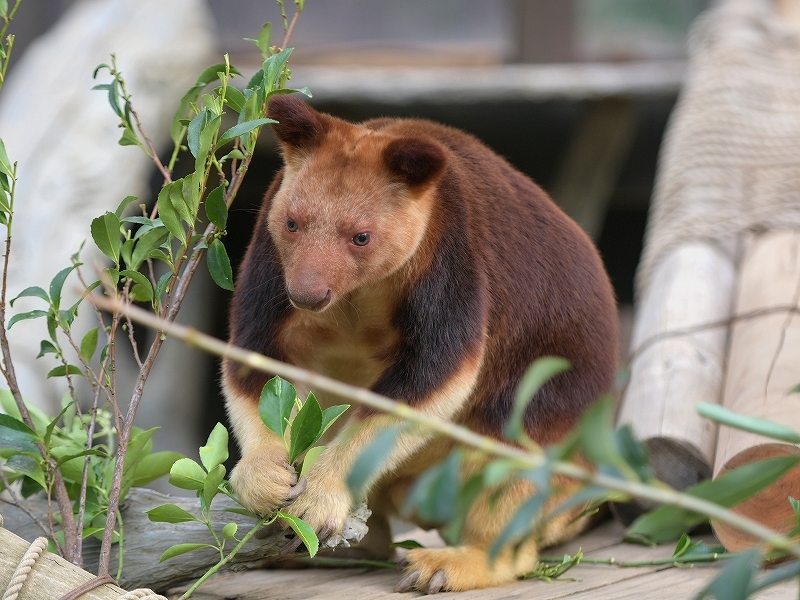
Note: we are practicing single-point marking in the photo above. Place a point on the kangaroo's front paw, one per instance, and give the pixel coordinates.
(461, 568)
(263, 480)
(324, 505)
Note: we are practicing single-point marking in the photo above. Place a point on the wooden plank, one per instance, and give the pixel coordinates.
(603, 541)
(537, 83)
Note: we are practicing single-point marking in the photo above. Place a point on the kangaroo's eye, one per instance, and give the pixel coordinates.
(292, 225)
(362, 239)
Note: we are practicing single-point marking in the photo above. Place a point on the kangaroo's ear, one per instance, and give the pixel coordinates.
(414, 160)
(299, 126)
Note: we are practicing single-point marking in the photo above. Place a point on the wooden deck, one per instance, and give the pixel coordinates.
(598, 582)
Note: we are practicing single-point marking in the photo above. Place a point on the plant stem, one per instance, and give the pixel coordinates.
(490, 446)
(680, 560)
(227, 559)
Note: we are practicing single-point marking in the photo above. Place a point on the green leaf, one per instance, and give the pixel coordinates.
(216, 209)
(5, 163)
(211, 484)
(28, 466)
(219, 265)
(124, 204)
(128, 138)
(233, 154)
(191, 195)
(145, 245)
(275, 405)
(34, 314)
(242, 128)
(139, 446)
(243, 512)
(89, 344)
(161, 287)
(48, 433)
(57, 284)
(539, 373)
(206, 141)
(407, 544)
(467, 495)
(734, 579)
(15, 435)
(153, 466)
(310, 458)
(169, 215)
(192, 94)
(598, 439)
(305, 428)
(434, 496)
(182, 549)
(264, 37)
(229, 531)
(180, 202)
(38, 416)
(303, 531)
(142, 290)
(194, 129)
(634, 452)
(187, 475)
(64, 370)
(371, 459)
(215, 452)
(34, 291)
(46, 347)
(273, 67)
(763, 427)
(105, 233)
(235, 98)
(329, 416)
(668, 523)
(170, 513)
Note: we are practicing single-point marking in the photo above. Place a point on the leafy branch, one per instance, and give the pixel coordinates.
(521, 460)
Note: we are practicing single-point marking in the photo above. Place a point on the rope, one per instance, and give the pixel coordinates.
(22, 571)
(729, 163)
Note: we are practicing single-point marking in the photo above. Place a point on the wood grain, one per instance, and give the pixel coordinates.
(763, 366)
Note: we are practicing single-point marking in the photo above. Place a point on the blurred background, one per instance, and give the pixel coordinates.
(575, 93)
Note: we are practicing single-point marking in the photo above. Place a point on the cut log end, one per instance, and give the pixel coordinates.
(675, 462)
(770, 507)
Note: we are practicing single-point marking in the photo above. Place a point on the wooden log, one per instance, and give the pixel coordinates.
(145, 541)
(763, 365)
(670, 373)
(51, 576)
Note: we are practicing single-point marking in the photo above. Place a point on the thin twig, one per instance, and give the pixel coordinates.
(700, 327)
(289, 31)
(489, 445)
